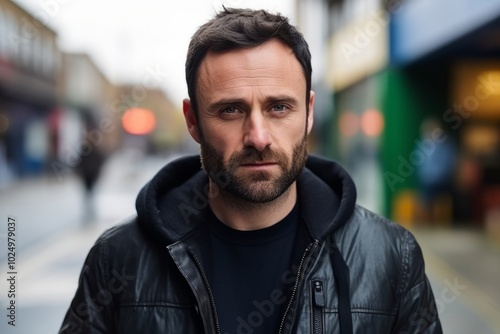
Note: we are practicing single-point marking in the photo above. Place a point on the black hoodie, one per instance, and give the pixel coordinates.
(171, 205)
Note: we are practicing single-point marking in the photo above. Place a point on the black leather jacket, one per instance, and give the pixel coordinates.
(359, 273)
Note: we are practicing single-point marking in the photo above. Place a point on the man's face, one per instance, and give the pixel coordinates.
(252, 121)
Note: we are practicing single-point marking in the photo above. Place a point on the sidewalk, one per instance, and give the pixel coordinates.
(43, 207)
(52, 242)
(47, 280)
(464, 269)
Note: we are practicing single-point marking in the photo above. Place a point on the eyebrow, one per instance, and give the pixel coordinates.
(225, 102)
(241, 102)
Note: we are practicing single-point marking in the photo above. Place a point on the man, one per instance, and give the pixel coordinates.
(248, 240)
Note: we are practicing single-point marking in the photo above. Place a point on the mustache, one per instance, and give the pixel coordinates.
(251, 155)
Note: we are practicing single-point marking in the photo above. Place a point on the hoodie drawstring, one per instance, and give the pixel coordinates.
(341, 273)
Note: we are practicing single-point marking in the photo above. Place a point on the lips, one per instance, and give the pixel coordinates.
(258, 166)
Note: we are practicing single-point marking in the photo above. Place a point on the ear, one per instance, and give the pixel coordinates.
(191, 121)
(310, 117)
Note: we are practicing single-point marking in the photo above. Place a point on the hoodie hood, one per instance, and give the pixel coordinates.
(175, 201)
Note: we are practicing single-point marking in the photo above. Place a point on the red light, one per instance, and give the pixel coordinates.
(138, 121)
(372, 123)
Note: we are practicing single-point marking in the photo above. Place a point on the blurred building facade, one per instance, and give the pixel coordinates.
(54, 105)
(86, 112)
(414, 109)
(29, 69)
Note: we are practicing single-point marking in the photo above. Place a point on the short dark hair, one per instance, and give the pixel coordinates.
(234, 29)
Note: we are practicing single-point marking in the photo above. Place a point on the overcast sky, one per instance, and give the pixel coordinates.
(127, 38)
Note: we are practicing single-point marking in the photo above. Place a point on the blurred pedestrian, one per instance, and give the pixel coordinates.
(436, 172)
(467, 191)
(254, 235)
(88, 169)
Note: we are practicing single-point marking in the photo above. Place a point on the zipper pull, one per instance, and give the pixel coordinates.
(319, 294)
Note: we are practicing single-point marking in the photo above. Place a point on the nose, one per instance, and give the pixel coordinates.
(257, 131)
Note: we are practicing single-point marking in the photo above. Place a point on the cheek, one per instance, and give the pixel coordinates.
(289, 133)
(225, 141)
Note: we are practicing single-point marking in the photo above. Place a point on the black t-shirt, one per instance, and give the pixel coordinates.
(250, 274)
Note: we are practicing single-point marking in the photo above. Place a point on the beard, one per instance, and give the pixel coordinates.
(254, 186)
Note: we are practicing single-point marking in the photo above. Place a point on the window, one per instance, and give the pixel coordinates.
(14, 43)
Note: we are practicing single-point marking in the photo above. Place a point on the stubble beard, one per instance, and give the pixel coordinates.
(254, 186)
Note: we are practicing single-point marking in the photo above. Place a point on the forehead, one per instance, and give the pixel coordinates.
(272, 64)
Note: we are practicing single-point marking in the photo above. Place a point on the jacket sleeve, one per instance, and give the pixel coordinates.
(90, 311)
(417, 310)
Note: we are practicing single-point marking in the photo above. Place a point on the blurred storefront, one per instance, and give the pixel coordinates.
(446, 68)
(414, 116)
(29, 67)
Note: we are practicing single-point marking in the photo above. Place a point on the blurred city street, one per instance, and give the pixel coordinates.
(53, 240)
(463, 265)
(407, 97)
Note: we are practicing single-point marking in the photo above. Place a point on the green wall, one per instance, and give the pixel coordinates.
(407, 97)
(402, 112)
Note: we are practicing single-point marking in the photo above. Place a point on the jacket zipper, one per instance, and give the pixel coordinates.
(294, 291)
(318, 294)
(211, 296)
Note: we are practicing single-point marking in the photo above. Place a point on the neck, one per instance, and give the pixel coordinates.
(246, 216)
